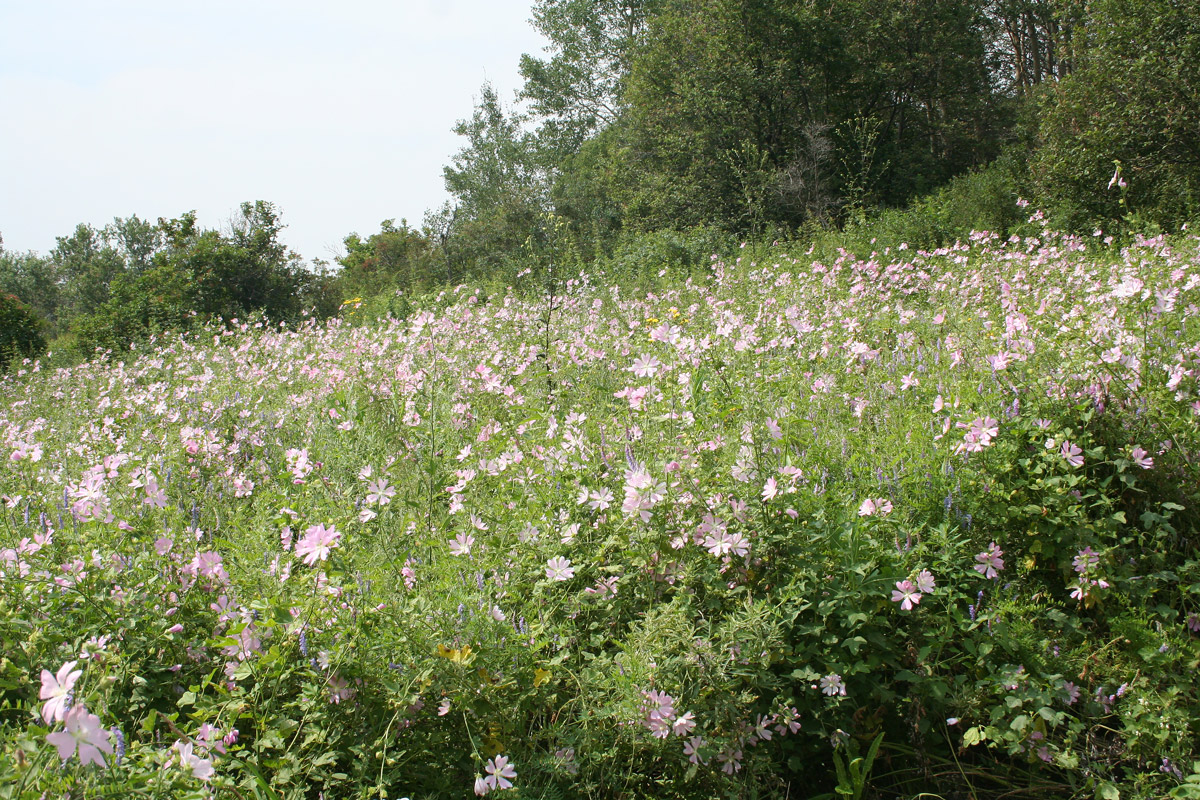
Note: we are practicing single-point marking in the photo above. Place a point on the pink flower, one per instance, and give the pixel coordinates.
(1086, 560)
(731, 760)
(461, 546)
(684, 724)
(906, 595)
(878, 505)
(1141, 458)
(379, 492)
(559, 569)
(691, 749)
(645, 366)
(500, 771)
(201, 768)
(990, 562)
(832, 685)
(56, 690)
(925, 582)
(339, 690)
(83, 733)
(1072, 454)
(317, 543)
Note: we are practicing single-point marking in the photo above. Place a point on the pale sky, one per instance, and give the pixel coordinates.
(340, 113)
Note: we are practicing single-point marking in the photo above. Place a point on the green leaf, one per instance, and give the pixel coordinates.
(974, 736)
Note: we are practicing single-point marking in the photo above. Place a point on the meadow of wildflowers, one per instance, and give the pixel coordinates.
(687, 542)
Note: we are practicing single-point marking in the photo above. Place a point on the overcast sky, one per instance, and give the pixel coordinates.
(338, 112)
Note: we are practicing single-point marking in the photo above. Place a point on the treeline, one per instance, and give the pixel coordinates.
(762, 117)
(652, 131)
(108, 288)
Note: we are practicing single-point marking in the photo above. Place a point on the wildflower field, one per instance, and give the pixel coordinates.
(806, 524)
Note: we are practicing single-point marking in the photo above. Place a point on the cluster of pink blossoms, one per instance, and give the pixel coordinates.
(909, 593)
(764, 728)
(979, 435)
(661, 718)
(1085, 564)
(872, 506)
(83, 733)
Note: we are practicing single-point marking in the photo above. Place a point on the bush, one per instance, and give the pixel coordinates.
(1136, 101)
(20, 332)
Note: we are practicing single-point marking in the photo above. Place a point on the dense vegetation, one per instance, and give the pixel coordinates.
(797, 399)
(666, 127)
(900, 522)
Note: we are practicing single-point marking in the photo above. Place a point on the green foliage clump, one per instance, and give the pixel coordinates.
(1131, 107)
(905, 521)
(20, 332)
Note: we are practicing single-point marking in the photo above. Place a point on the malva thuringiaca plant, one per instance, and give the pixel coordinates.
(938, 505)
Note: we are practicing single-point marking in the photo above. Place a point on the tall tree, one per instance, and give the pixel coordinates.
(753, 112)
(86, 265)
(395, 258)
(579, 89)
(1133, 99)
(33, 279)
(500, 184)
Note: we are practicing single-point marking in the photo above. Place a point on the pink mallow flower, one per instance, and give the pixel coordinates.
(1072, 454)
(500, 772)
(83, 733)
(317, 543)
(201, 768)
(906, 595)
(990, 562)
(56, 691)
(559, 569)
(925, 582)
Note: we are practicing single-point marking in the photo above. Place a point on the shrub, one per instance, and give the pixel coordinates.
(20, 332)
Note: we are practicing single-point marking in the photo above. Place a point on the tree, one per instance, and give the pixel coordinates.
(249, 270)
(579, 89)
(1133, 100)
(85, 264)
(137, 240)
(754, 113)
(31, 276)
(1031, 41)
(20, 332)
(500, 186)
(394, 258)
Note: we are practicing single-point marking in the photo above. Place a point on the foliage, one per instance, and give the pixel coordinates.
(171, 276)
(926, 515)
(20, 332)
(1132, 106)
(32, 276)
(393, 259)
